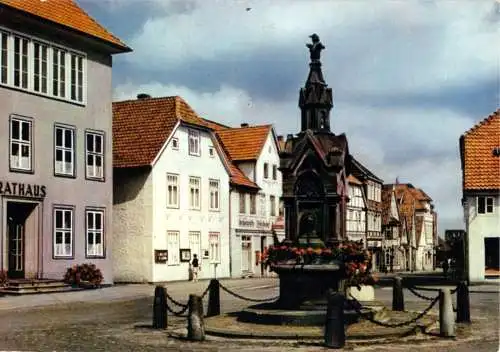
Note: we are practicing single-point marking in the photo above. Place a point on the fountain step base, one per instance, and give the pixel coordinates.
(313, 315)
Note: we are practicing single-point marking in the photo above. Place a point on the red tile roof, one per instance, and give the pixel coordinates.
(142, 126)
(387, 191)
(480, 165)
(66, 13)
(244, 143)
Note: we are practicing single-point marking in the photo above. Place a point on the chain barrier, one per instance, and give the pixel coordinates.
(357, 308)
(419, 295)
(246, 298)
(177, 303)
(205, 292)
(180, 313)
(434, 289)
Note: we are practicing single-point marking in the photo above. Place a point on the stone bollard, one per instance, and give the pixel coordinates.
(196, 325)
(334, 325)
(398, 303)
(160, 308)
(446, 319)
(213, 298)
(463, 303)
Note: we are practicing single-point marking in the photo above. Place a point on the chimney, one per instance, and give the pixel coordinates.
(280, 138)
(143, 96)
(244, 124)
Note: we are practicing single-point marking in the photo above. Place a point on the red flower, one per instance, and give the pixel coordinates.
(309, 250)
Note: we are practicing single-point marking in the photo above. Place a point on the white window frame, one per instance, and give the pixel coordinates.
(26, 67)
(42, 64)
(194, 193)
(487, 199)
(214, 198)
(93, 231)
(243, 203)
(275, 172)
(18, 162)
(173, 247)
(253, 204)
(63, 167)
(214, 247)
(194, 142)
(76, 71)
(265, 171)
(92, 170)
(172, 190)
(23, 60)
(63, 249)
(4, 58)
(272, 205)
(262, 204)
(58, 70)
(195, 243)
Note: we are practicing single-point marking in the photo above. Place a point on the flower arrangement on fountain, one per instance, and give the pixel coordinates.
(355, 259)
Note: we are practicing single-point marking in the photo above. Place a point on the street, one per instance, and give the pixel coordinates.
(121, 325)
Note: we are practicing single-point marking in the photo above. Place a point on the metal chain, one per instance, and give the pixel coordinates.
(394, 325)
(245, 298)
(434, 289)
(177, 303)
(420, 295)
(179, 313)
(205, 292)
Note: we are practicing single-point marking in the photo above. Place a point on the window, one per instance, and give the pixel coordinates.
(4, 68)
(20, 144)
(262, 204)
(281, 210)
(194, 192)
(40, 67)
(172, 191)
(63, 232)
(58, 73)
(36, 66)
(243, 209)
(275, 172)
(194, 142)
(95, 233)
(253, 204)
(94, 155)
(194, 243)
(214, 247)
(64, 151)
(211, 151)
(266, 170)
(173, 247)
(213, 186)
(21, 62)
(175, 144)
(76, 77)
(485, 205)
(272, 205)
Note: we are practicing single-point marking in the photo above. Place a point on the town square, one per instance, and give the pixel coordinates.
(222, 175)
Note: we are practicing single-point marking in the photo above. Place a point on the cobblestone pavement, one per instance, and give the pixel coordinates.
(120, 326)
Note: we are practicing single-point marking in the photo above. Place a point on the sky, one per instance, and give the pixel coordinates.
(408, 77)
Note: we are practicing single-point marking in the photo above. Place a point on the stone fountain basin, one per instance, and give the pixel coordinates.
(271, 314)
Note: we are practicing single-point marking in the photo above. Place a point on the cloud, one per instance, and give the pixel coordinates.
(383, 46)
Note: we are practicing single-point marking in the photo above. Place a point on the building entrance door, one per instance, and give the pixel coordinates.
(246, 253)
(17, 214)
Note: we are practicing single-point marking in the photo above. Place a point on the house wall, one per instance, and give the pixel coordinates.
(77, 192)
(255, 227)
(133, 225)
(183, 219)
(479, 227)
(356, 214)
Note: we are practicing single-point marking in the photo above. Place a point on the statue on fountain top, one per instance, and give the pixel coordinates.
(315, 48)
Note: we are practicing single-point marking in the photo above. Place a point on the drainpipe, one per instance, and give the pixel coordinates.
(230, 237)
